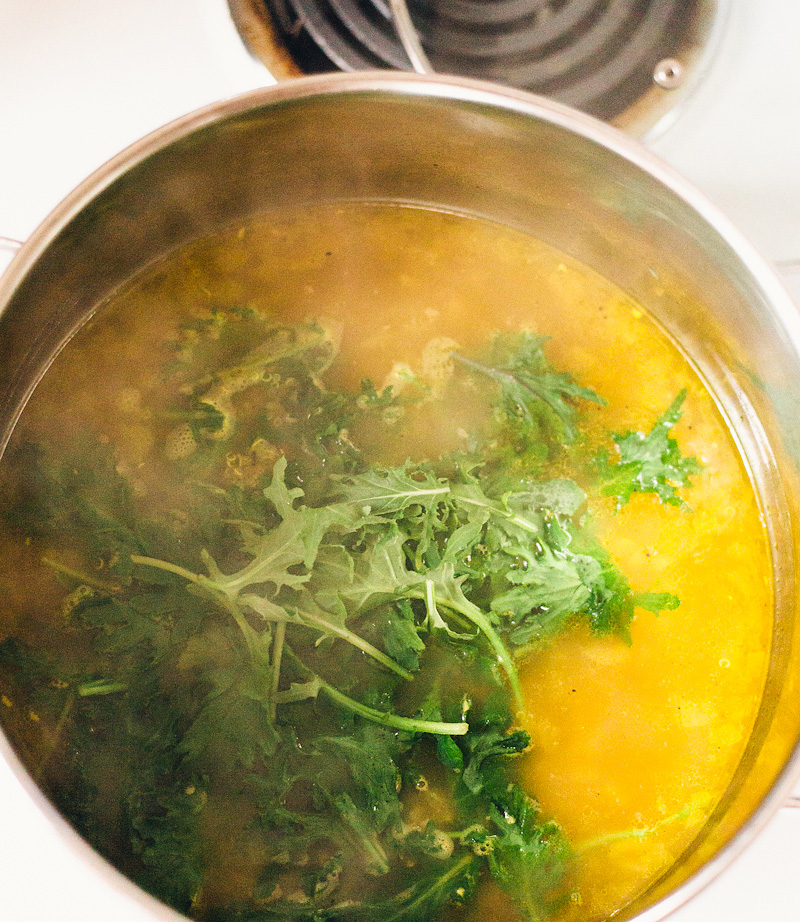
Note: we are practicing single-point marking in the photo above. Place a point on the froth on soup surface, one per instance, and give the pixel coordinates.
(634, 730)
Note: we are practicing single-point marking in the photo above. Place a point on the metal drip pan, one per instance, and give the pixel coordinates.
(627, 62)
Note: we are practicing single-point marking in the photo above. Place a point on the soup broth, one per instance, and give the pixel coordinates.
(512, 413)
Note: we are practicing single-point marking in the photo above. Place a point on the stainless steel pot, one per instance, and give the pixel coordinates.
(468, 147)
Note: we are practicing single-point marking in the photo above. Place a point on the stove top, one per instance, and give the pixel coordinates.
(614, 60)
(82, 79)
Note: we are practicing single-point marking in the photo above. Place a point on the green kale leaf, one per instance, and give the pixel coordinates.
(347, 661)
(537, 402)
(650, 463)
(526, 857)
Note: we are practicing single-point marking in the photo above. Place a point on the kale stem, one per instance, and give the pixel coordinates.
(697, 804)
(78, 575)
(310, 620)
(525, 524)
(396, 722)
(252, 639)
(483, 624)
(408, 724)
(101, 687)
(495, 374)
(438, 884)
(350, 814)
(277, 655)
(496, 643)
(314, 622)
(57, 732)
(197, 578)
(270, 611)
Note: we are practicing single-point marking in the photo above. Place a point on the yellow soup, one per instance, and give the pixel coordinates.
(622, 732)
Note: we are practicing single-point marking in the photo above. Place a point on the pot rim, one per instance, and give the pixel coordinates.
(444, 88)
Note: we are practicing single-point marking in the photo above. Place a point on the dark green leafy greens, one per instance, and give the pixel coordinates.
(536, 402)
(306, 680)
(650, 463)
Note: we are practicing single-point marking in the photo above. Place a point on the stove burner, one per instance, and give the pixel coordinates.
(339, 34)
(601, 56)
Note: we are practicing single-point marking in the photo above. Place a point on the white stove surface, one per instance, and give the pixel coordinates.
(82, 79)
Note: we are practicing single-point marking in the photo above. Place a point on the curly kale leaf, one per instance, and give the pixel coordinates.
(650, 463)
(537, 402)
(486, 744)
(527, 858)
(538, 568)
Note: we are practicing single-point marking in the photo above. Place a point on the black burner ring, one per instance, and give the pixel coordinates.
(596, 55)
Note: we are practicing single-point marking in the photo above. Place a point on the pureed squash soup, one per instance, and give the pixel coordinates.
(369, 562)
